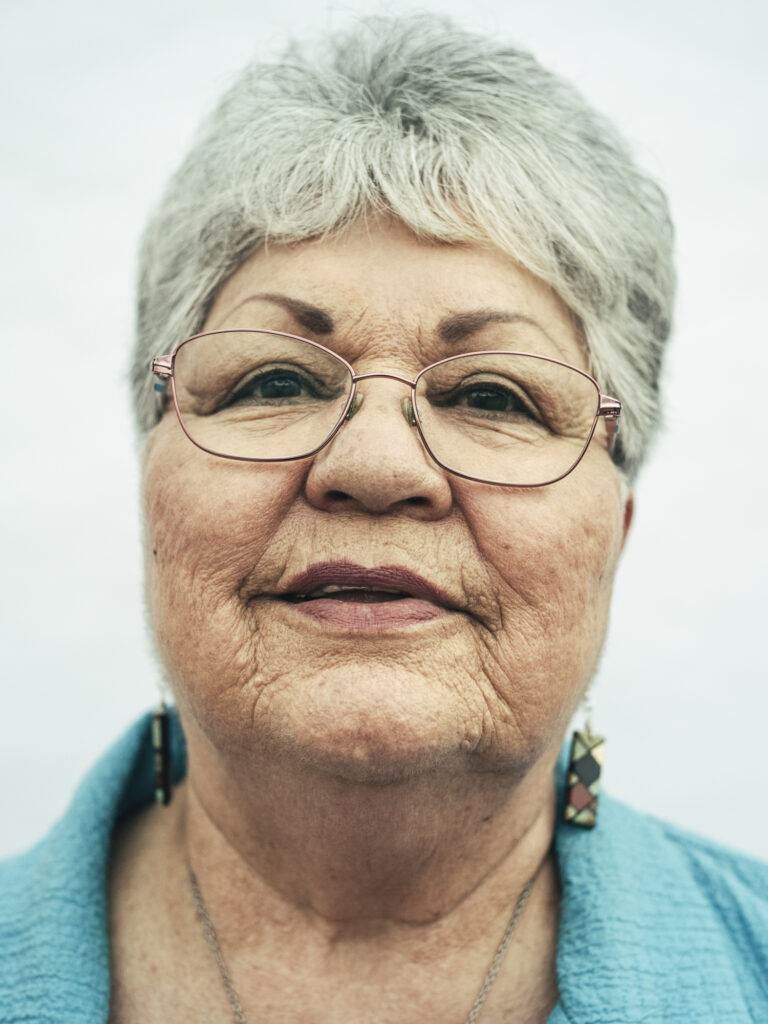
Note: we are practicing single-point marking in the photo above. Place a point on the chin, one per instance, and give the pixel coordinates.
(385, 730)
(369, 759)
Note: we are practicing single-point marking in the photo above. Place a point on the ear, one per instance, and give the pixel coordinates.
(629, 511)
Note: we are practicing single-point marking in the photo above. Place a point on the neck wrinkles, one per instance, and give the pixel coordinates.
(348, 859)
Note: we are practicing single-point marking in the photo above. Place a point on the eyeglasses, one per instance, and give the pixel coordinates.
(508, 418)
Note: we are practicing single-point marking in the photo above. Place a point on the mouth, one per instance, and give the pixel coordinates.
(345, 594)
(360, 595)
(345, 581)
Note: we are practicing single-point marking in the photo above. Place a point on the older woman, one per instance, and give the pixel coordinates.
(392, 307)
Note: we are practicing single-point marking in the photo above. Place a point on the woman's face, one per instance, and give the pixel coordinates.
(481, 666)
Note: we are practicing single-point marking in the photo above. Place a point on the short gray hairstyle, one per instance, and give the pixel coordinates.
(461, 138)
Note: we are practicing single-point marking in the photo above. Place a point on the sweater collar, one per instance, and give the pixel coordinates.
(637, 931)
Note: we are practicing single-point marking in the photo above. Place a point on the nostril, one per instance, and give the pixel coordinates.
(335, 497)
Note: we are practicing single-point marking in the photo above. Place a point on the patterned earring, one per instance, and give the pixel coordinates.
(583, 785)
(161, 745)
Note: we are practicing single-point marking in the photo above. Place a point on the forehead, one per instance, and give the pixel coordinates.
(379, 289)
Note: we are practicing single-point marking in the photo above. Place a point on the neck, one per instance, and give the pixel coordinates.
(351, 854)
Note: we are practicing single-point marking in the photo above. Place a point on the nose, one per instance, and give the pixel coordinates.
(377, 463)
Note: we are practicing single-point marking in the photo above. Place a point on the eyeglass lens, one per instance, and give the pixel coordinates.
(502, 417)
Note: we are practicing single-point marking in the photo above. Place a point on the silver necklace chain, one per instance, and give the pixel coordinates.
(237, 1010)
(213, 943)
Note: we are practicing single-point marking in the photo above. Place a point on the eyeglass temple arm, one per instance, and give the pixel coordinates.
(162, 367)
(610, 408)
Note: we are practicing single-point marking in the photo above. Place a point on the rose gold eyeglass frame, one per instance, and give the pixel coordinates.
(163, 368)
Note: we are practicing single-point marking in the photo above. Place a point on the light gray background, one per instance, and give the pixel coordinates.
(98, 104)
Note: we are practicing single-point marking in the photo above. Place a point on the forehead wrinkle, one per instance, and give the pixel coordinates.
(450, 329)
(380, 334)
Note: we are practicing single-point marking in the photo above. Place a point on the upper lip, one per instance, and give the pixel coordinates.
(391, 578)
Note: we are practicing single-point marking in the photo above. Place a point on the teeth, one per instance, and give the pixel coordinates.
(334, 588)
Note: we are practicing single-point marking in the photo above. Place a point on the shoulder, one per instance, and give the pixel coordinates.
(734, 884)
(677, 923)
(52, 927)
(54, 951)
(688, 869)
(709, 866)
(19, 902)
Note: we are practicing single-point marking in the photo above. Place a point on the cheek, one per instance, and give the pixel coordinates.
(552, 554)
(208, 522)
(554, 551)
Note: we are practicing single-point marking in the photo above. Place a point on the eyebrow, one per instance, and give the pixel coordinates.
(312, 318)
(451, 329)
(461, 325)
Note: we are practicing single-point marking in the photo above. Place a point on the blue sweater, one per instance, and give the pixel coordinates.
(657, 925)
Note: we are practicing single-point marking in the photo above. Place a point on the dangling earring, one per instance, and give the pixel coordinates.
(161, 744)
(583, 783)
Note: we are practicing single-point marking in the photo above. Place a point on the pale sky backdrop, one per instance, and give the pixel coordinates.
(97, 105)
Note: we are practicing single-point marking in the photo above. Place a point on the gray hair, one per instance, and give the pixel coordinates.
(459, 137)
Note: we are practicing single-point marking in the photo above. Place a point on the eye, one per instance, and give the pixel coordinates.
(278, 384)
(488, 399)
(491, 398)
(273, 387)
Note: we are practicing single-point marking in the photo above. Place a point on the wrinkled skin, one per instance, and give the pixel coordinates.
(489, 687)
(363, 806)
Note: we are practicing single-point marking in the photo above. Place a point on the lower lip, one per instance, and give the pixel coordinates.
(354, 615)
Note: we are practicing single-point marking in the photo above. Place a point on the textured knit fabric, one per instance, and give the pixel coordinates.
(657, 925)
